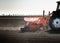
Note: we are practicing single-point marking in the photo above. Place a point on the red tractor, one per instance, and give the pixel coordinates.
(33, 23)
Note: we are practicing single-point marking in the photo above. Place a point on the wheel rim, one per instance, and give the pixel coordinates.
(56, 23)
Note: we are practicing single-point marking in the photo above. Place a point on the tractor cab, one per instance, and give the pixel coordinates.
(58, 5)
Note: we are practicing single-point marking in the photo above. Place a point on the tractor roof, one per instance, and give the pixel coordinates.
(58, 2)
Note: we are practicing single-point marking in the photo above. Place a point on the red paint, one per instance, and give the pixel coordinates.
(42, 21)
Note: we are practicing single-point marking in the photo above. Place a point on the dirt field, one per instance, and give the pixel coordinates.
(29, 37)
(11, 22)
(9, 33)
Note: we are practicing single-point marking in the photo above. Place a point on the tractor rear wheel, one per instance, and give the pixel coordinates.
(54, 23)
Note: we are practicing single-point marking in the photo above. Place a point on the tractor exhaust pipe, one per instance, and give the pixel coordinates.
(43, 13)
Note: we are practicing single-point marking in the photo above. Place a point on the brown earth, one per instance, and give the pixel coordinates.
(9, 34)
(29, 37)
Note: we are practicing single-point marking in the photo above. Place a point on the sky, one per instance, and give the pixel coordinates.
(27, 7)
